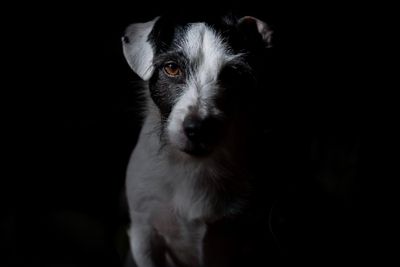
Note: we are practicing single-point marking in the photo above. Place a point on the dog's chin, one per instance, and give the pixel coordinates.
(197, 149)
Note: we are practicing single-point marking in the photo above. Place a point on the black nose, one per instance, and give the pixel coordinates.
(202, 131)
(194, 128)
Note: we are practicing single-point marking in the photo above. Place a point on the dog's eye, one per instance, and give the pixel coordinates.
(172, 69)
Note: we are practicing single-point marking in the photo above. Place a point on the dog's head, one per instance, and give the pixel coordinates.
(200, 74)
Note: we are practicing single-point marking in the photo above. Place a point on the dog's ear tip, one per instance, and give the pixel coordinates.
(261, 27)
(247, 19)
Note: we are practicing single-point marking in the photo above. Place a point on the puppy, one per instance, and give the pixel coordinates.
(190, 180)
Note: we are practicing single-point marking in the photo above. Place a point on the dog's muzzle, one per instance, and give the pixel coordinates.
(202, 134)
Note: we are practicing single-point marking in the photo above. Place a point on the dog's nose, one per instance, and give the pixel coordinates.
(193, 128)
(201, 130)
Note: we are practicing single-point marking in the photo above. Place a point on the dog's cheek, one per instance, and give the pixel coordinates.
(162, 96)
(174, 128)
(181, 108)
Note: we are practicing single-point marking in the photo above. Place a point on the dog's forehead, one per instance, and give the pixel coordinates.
(201, 43)
(191, 37)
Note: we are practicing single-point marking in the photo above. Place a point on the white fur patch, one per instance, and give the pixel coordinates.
(203, 45)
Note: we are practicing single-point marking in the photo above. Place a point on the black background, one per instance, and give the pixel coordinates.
(72, 121)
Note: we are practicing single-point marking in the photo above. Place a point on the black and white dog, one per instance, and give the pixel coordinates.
(190, 179)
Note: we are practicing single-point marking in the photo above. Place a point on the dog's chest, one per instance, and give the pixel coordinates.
(184, 239)
(196, 243)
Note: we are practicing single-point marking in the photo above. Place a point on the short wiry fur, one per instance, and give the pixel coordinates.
(190, 198)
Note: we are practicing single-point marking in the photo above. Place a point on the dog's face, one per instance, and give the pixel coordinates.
(200, 74)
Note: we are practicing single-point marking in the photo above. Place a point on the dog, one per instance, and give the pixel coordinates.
(190, 180)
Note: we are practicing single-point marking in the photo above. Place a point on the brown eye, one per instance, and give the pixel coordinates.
(172, 69)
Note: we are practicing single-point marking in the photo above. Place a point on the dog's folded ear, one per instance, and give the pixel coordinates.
(256, 29)
(137, 49)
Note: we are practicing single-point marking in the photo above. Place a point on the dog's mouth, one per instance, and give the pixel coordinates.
(204, 146)
(197, 149)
